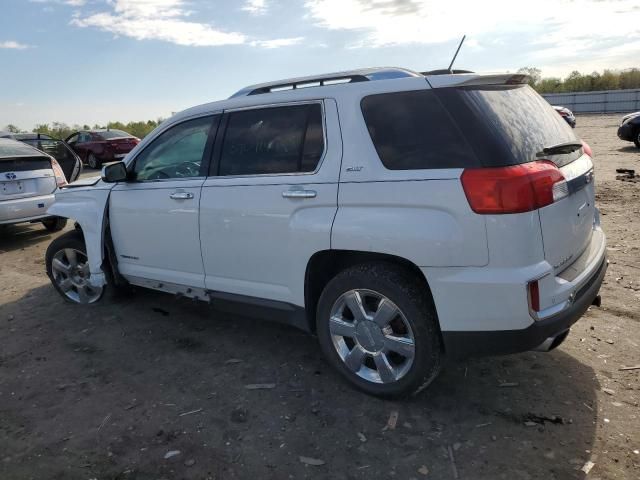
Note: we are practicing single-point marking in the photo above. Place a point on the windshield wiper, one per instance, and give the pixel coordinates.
(560, 149)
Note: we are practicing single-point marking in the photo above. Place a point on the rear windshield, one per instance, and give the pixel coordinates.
(56, 148)
(507, 125)
(15, 149)
(107, 135)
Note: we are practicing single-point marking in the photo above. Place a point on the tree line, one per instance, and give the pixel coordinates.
(578, 82)
(62, 130)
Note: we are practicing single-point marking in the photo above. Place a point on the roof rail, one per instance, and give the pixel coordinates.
(444, 71)
(321, 82)
(364, 75)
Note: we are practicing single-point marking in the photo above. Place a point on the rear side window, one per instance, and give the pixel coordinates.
(412, 130)
(273, 140)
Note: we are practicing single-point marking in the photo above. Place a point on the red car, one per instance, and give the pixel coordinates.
(97, 146)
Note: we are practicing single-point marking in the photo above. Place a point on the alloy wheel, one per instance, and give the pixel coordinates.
(372, 336)
(70, 270)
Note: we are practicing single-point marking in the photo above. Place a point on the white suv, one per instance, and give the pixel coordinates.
(400, 217)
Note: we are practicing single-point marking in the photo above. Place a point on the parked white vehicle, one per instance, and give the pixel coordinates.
(28, 181)
(401, 218)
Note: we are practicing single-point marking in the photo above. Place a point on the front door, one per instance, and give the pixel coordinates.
(154, 215)
(269, 203)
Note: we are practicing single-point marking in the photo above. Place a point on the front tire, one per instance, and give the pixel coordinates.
(377, 326)
(93, 161)
(68, 269)
(636, 140)
(54, 224)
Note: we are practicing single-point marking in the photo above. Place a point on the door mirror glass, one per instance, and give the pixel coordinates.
(114, 172)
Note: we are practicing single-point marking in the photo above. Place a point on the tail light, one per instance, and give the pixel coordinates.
(513, 189)
(586, 148)
(61, 179)
(533, 291)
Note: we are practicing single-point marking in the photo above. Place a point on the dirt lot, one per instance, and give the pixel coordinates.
(106, 392)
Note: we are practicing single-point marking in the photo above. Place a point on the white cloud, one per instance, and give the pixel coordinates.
(11, 45)
(255, 7)
(170, 21)
(396, 22)
(72, 3)
(277, 43)
(160, 20)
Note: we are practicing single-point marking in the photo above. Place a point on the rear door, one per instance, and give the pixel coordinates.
(270, 201)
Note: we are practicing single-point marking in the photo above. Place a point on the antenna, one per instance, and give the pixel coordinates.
(455, 56)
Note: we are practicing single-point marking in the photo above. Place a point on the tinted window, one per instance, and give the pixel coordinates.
(273, 140)
(412, 130)
(176, 153)
(10, 148)
(519, 119)
(73, 138)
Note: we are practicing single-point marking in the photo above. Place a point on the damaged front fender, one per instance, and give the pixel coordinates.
(87, 205)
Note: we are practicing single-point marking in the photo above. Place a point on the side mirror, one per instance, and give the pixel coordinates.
(114, 172)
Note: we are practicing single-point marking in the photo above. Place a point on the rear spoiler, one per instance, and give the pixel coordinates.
(474, 79)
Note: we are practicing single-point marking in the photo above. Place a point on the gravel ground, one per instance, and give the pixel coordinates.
(111, 391)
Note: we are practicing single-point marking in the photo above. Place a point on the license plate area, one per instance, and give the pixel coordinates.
(12, 188)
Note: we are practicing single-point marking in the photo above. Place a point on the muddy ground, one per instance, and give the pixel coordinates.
(107, 392)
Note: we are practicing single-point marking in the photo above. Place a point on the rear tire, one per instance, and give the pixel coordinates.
(55, 224)
(68, 270)
(93, 161)
(367, 355)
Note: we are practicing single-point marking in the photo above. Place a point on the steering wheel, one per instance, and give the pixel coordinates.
(188, 169)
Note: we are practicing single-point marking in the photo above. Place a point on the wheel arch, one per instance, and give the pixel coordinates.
(88, 208)
(326, 264)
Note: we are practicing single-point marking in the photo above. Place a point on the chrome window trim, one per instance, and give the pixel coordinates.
(283, 104)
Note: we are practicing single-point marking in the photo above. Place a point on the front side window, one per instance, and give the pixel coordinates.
(176, 153)
(273, 140)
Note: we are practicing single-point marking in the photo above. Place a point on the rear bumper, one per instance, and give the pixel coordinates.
(25, 209)
(501, 342)
(625, 132)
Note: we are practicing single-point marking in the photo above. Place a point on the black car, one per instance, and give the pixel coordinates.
(69, 162)
(629, 129)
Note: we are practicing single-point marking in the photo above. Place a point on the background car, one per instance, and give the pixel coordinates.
(69, 162)
(629, 129)
(29, 179)
(566, 114)
(97, 146)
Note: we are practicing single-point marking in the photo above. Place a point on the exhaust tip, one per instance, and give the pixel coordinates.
(552, 342)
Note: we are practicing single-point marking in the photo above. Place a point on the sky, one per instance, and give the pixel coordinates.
(94, 61)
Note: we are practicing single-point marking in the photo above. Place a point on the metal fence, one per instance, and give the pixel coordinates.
(606, 101)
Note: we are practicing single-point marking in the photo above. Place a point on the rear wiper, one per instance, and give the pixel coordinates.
(559, 149)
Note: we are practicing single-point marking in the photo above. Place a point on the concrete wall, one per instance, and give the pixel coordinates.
(606, 101)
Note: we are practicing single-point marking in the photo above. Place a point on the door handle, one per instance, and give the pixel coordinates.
(181, 195)
(299, 193)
